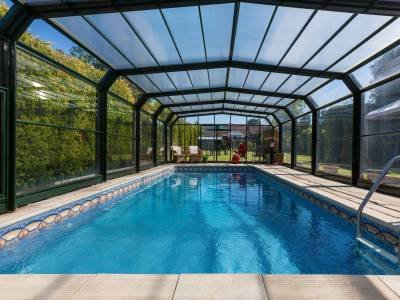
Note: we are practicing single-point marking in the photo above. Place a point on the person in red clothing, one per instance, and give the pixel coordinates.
(239, 154)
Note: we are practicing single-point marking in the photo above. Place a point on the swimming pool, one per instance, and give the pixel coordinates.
(196, 222)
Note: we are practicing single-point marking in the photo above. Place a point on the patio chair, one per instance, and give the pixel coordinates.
(177, 155)
(195, 154)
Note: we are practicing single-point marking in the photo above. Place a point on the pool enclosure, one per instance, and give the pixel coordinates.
(93, 90)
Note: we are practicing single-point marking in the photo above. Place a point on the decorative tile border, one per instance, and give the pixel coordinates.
(21, 230)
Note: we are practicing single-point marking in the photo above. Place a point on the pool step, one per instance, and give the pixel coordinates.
(379, 250)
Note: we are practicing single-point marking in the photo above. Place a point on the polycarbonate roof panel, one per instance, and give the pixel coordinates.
(150, 26)
(282, 115)
(162, 81)
(255, 79)
(217, 25)
(237, 77)
(217, 77)
(274, 81)
(199, 78)
(118, 32)
(378, 42)
(286, 25)
(178, 99)
(184, 24)
(218, 95)
(357, 30)
(330, 92)
(79, 29)
(252, 25)
(258, 99)
(181, 80)
(144, 82)
(272, 100)
(311, 85)
(293, 83)
(321, 27)
(285, 101)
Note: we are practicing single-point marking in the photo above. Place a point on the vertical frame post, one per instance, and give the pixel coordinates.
(139, 104)
(101, 122)
(314, 134)
(293, 145)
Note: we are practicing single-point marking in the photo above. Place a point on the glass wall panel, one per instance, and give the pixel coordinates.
(380, 132)
(334, 139)
(119, 134)
(222, 141)
(125, 89)
(287, 142)
(49, 42)
(330, 92)
(254, 148)
(207, 141)
(55, 126)
(299, 107)
(304, 141)
(151, 106)
(146, 148)
(379, 69)
(238, 135)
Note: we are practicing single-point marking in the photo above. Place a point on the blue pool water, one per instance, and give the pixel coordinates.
(196, 223)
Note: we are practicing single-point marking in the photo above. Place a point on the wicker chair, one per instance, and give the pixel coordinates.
(177, 155)
(195, 154)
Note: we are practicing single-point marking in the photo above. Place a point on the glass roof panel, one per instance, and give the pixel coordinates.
(286, 25)
(181, 80)
(357, 30)
(299, 107)
(199, 79)
(151, 28)
(79, 29)
(378, 42)
(293, 83)
(379, 69)
(217, 23)
(311, 85)
(217, 77)
(281, 115)
(117, 31)
(255, 79)
(322, 26)
(178, 99)
(218, 95)
(144, 83)
(204, 96)
(274, 81)
(191, 98)
(252, 24)
(332, 91)
(272, 100)
(271, 110)
(285, 101)
(245, 97)
(237, 77)
(184, 23)
(232, 95)
(165, 100)
(258, 99)
(162, 81)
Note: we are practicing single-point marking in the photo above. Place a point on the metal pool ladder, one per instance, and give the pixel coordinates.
(359, 239)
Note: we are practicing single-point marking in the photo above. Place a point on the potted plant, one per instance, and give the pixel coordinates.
(205, 158)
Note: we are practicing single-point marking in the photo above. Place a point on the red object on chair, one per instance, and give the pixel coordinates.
(242, 150)
(236, 158)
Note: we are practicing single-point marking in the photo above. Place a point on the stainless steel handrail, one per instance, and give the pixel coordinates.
(373, 190)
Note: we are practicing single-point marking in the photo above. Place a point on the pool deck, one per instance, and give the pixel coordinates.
(383, 208)
(198, 287)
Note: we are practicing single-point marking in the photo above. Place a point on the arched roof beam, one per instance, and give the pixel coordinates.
(223, 89)
(233, 64)
(224, 102)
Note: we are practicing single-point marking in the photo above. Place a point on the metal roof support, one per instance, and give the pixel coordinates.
(101, 121)
(154, 118)
(356, 147)
(12, 26)
(197, 111)
(139, 104)
(229, 89)
(223, 102)
(231, 64)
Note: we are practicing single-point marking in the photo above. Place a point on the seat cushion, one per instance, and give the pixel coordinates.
(193, 149)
